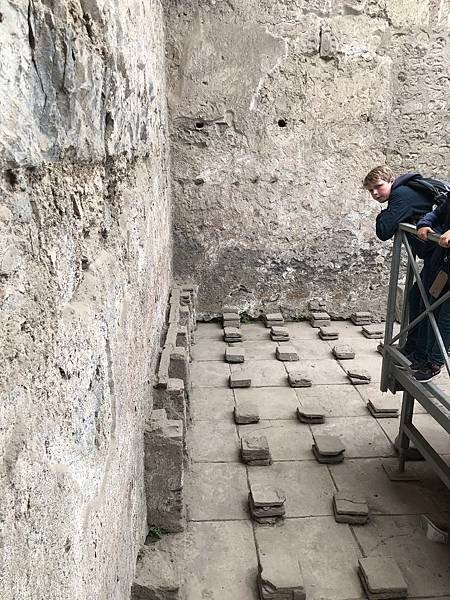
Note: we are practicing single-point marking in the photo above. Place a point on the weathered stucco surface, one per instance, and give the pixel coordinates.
(85, 251)
(278, 110)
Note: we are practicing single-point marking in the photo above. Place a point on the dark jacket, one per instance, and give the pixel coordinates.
(405, 205)
(439, 221)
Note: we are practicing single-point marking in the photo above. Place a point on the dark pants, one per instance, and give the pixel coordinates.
(416, 342)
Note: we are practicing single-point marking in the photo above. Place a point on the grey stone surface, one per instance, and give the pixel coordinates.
(320, 320)
(216, 491)
(246, 412)
(272, 403)
(208, 350)
(321, 371)
(255, 449)
(156, 576)
(327, 552)
(240, 378)
(264, 373)
(374, 331)
(328, 445)
(428, 427)
(343, 352)
(308, 486)
(335, 401)
(328, 333)
(381, 575)
(279, 576)
(211, 404)
(232, 334)
(298, 379)
(213, 441)
(310, 414)
(210, 374)
(163, 474)
(287, 439)
(402, 538)
(263, 495)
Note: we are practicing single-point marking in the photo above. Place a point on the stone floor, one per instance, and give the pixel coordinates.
(221, 543)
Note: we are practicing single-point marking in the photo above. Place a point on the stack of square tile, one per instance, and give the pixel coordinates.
(255, 450)
(231, 319)
(297, 379)
(320, 319)
(361, 318)
(235, 354)
(240, 378)
(382, 408)
(308, 413)
(273, 320)
(266, 504)
(246, 412)
(280, 578)
(350, 508)
(328, 449)
(328, 333)
(381, 578)
(358, 376)
(374, 331)
(232, 334)
(343, 352)
(279, 334)
(286, 353)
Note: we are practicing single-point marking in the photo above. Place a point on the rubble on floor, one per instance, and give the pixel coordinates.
(286, 353)
(232, 334)
(381, 578)
(320, 319)
(359, 376)
(297, 379)
(343, 352)
(328, 333)
(279, 334)
(361, 318)
(308, 413)
(255, 450)
(266, 504)
(374, 331)
(246, 412)
(273, 320)
(231, 319)
(328, 449)
(235, 354)
(350, 508)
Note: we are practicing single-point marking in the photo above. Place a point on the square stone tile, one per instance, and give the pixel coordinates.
(368, 478)
(213, 441)
(371, 364)
(210, 374)
(373, 392)
(206, 350)
(220, 561)
(216, 491)
(425, 565)
(361, 345)
(321, 371)
(428, 427)
(259, 350)
(212, 404)
(265, 373)
(288, 440)
(308, 486)
(335, 400)
(255, 331)
(208, 331)
(272, 403)
(347, 330)
(362, 437)
(327, 552)
(312, 349)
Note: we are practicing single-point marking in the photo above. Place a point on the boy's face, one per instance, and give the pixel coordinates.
(380, 190)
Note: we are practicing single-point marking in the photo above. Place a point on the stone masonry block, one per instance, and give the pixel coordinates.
(163, 473)
(179, 367)
(183, 338)
(157, 576)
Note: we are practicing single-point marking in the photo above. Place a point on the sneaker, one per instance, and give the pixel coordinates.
(427, 373)
(418, 365)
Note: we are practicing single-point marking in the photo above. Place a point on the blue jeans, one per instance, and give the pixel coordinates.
(442, 316)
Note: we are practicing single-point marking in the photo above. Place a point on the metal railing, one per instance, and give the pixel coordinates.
(395, 375)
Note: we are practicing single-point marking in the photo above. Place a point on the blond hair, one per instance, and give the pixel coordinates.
(382, 172)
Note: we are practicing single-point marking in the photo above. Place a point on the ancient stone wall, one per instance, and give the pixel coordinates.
(85, 251)
(278, 110)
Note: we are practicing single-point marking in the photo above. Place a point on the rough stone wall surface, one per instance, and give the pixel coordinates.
(277, 111)
(85, 251)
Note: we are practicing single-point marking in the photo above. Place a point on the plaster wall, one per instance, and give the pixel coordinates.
(277, 111)
(85, 251)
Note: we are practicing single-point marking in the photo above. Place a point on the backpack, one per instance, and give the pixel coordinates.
(437, 190)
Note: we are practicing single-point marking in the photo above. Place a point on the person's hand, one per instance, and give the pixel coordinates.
(444, 240)
(423, 233)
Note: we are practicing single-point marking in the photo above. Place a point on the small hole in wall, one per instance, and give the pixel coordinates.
(282, 123)
(199, 124)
